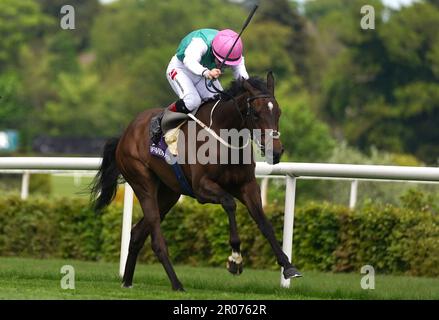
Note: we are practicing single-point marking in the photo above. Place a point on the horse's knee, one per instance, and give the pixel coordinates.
(228, 204)
(136, 244)
(192, 101)
(159, 248)
(138, 237)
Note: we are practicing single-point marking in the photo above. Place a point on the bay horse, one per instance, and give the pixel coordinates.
(247, 104)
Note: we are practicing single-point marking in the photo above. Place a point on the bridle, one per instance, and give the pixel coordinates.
(249, 115)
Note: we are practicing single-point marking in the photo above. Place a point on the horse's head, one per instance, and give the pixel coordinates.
(263, 114)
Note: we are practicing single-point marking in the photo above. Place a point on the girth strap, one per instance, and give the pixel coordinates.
(187, 189)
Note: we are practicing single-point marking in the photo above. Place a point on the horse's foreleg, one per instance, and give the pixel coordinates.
(251, 198)
(234, 261)
(209, 191)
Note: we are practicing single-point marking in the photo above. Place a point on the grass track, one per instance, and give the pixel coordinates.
(23, 278)
(65, 186)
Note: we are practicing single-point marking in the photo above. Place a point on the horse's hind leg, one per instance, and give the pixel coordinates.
(158, 243)
(141, 230)
(139, 233)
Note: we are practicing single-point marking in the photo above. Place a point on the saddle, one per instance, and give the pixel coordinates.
(163, 122)
(164, 129)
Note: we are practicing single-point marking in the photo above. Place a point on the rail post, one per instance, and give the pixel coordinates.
(354, 191)
(287, 243)
(25, 185)
(126, 226)
(264, 191)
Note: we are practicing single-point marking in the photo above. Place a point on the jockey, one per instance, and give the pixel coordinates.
(199, 56)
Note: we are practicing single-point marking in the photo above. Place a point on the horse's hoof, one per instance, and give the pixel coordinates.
(126, 286)
(180, 289)
(291, 273)
(234, 268)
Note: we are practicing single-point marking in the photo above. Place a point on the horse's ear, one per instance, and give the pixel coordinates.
(247, 86)
(270, 82)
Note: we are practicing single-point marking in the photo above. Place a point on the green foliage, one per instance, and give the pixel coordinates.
(392, 240)
(72, 115)
(305, 138)
(12, 109)
(263, 38)
(40, 184)
(326, 237)
(9, 182)
(85, 11)
(379, 87)
(20, 21)
(316, 236)
(78, 231)
(298, 44)
(42, 228)
(27, 228)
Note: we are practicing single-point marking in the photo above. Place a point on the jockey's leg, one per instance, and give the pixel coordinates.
(182, 81)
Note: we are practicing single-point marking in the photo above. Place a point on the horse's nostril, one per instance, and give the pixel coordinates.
(276, 159)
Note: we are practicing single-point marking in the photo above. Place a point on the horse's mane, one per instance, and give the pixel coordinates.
(236, 88)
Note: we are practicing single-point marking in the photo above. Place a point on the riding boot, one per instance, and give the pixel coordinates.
(156, 122)
(179, 106)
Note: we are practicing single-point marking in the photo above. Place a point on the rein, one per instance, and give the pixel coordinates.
(249, 116)
(217, 137)
(219, 91)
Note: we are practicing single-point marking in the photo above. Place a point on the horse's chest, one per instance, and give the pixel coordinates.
(234, 177)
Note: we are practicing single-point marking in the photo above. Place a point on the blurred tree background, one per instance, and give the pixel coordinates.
(337, 84)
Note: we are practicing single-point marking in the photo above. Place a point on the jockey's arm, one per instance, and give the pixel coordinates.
(193, 54)
(240, 71)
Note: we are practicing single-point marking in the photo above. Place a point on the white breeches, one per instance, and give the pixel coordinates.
(188, 86)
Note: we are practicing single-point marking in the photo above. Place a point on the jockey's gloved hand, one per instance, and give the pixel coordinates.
(212, 74)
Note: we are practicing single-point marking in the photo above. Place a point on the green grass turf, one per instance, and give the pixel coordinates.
(65, 186)
(24, 278)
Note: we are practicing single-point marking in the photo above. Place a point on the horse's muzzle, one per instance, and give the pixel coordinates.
(273, 157)
(276, 158)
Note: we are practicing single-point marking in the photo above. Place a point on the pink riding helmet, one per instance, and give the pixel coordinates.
(221, 45)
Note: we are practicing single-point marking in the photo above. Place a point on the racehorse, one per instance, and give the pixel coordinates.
(247, 104)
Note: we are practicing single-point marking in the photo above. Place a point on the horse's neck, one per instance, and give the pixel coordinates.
(226, 115)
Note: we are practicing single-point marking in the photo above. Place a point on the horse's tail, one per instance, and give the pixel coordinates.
(104, 185)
